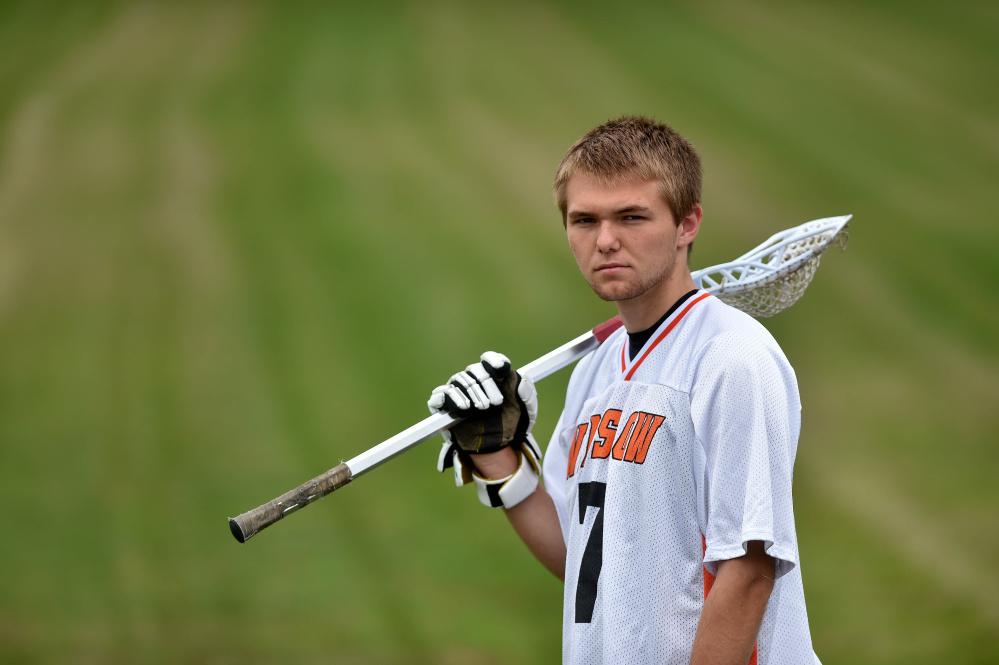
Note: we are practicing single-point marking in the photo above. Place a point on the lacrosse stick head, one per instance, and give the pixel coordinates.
(771, 277)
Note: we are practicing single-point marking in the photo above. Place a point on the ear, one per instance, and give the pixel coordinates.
(689, 227)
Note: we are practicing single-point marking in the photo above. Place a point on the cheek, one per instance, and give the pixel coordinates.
(663, 242)
(577, 244)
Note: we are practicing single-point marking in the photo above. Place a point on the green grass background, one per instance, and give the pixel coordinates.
(240, 242)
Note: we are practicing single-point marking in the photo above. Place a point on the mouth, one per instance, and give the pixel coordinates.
(610, 268)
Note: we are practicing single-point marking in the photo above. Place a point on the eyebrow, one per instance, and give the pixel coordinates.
(580, 214)
(632, 208)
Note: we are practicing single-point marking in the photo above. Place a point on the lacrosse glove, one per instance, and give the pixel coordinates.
(498, 407)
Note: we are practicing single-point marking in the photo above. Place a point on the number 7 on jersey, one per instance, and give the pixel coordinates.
(590, 494)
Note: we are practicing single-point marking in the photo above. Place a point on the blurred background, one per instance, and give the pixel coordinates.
(240, 242)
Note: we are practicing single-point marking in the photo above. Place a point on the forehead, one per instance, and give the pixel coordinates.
(586, 192)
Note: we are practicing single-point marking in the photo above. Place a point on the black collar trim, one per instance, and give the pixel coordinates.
(637, 340)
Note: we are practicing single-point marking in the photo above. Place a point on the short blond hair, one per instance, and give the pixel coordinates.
(636, 148)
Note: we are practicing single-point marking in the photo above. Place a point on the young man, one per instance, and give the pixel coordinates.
(669, 472)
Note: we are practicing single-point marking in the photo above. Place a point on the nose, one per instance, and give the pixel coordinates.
(607, 240)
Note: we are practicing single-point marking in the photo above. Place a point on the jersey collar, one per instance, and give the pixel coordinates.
(628, 366)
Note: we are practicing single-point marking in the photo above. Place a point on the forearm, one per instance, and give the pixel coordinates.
(534, 519)
(733, 611)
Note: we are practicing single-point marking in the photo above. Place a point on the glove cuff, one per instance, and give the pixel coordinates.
(452, 456)
(508, 492)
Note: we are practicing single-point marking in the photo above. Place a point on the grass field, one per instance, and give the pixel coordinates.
(236, 243)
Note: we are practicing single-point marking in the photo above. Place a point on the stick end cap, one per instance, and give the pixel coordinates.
(237, 532)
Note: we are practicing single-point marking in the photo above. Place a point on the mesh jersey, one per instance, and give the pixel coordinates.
(663, 465)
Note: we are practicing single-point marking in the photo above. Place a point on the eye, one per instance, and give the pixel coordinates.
(583, 220)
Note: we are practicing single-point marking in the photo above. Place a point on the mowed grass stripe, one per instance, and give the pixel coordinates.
(316, 241)
(870, 495)
(134, 354)
(933, 175)
(265, 222)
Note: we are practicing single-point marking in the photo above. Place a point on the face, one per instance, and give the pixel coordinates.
(625, 239)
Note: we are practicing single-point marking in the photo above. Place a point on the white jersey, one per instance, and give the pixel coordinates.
(663, 465)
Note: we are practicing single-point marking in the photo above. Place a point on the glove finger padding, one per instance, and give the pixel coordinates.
(498, 405)
(495, 427)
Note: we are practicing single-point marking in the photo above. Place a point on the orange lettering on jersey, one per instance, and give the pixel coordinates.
(625, 434)
(607, 429)
(639, 446)
(594, 421)
(577, 442)
(641, 427)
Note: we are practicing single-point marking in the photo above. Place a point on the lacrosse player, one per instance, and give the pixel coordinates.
(666, 507)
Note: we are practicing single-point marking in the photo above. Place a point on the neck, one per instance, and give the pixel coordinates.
(640, 313)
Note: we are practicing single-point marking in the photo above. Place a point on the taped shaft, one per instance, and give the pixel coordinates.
(252, 522)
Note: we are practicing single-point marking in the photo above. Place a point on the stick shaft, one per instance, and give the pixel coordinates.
(250, 523)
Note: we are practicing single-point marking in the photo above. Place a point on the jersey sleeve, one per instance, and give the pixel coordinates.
(746, 413)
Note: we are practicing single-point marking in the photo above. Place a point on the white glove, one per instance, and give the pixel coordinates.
(499, 407)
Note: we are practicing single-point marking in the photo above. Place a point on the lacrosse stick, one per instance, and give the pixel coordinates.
(771, 277)
(762, 282)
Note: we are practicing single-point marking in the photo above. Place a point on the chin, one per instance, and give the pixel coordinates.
(612, 293)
